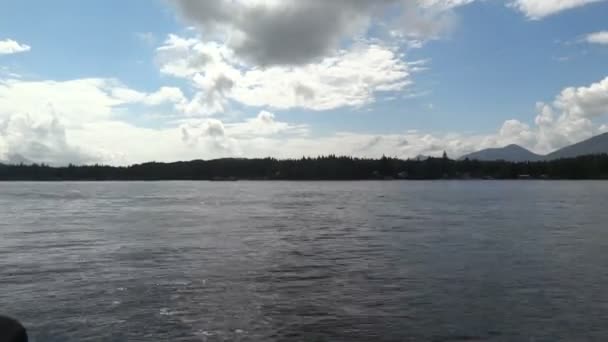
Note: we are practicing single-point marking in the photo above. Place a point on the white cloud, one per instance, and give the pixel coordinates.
(569, 119)
(42, 120)
(9, 46)
(265, 124)
(445, 4)
(538, 9)
(584, 102)
(211, 134)
(41, 139)
(238, 138)
(82, 121)
(351, 78)
(293, 32)
(598, 38)
(284, 54)
(516, 132)
(77, 101)
(39, 123)
(74, 101)
(163, 95)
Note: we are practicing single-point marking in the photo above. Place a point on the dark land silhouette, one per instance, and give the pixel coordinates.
(515, 153)
(321, 168)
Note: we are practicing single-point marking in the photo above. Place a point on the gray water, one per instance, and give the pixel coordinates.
(306, 261)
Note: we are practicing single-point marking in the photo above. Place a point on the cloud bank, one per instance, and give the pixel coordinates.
(62, 131)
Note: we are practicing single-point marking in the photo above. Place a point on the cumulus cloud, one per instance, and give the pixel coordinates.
(82, 121)
(600, 37)
(515, 132)
(9, 46)
(278, 32)
(445, 4)
(234, 138)
(283, 54)
(538, 9)
(210, 133)
(293, 32)
(265, 124)
(569, 118)
(164, 95)
(74, 100)
(350, 78)
(38, 119)
(77, 101)
(50, 137)
(584, 102)
(43, 140)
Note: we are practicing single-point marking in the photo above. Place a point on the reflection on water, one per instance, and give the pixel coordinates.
(306, 261)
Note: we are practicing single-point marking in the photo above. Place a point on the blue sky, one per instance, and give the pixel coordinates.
(128, 81)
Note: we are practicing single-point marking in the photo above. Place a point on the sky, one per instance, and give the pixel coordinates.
(121, 82)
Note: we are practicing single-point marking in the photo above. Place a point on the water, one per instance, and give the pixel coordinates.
(306, 261)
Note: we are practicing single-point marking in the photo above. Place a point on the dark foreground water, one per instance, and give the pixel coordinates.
(306, 261)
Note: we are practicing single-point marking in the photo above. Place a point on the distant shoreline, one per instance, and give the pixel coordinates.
(301, 180)
(329, 168)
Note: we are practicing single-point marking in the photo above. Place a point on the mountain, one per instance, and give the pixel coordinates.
(512, 153)
(595, 145)
(516, 153)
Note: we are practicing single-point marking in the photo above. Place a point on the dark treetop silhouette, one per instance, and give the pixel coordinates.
(320, 168)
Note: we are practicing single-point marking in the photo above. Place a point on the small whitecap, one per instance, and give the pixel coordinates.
(165, 312)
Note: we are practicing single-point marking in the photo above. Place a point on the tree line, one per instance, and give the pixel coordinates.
(320, 168)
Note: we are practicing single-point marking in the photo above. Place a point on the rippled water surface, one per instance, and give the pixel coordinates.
(306, 261)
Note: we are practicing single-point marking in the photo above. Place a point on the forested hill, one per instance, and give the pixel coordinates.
(321, 168)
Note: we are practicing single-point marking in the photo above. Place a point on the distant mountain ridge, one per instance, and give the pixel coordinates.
(595, 145)
(515, 153)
